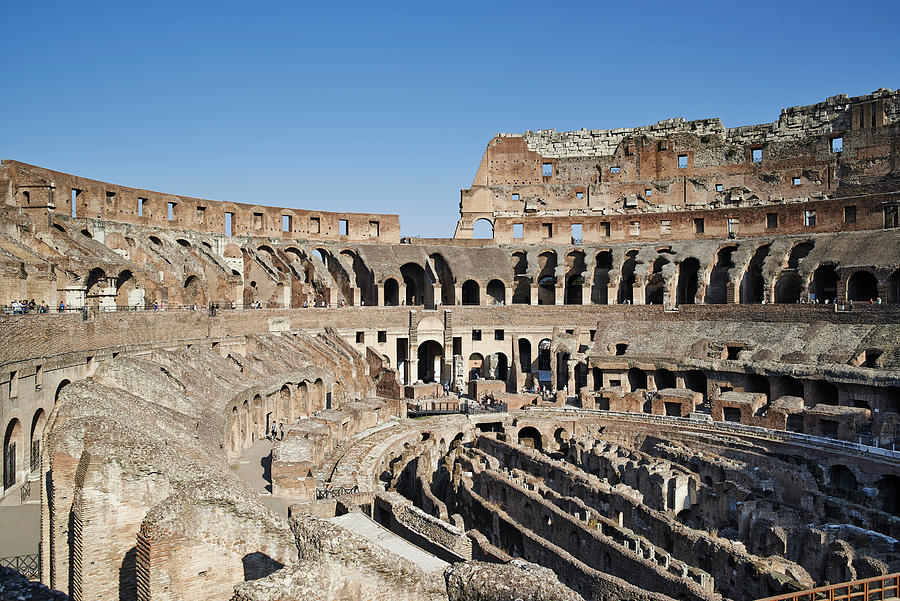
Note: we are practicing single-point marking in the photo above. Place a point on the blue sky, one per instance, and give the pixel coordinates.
(387, 107)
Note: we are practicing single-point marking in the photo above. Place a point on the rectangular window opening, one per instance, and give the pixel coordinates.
(343, 227)
(315, 225)
(682, 161)
(476, 335)
(665, 226)
(719, 187)
(518, 230)
(795, 181)
(606, 228)
(698, 225)
(850, 214)
(615, 169)
(547, 169)
(285, 223)
(648, 192)
(38, 376)
(141, 203)
(498, 334)
(733, 223)
(382, 336)
(771, 221)
(201, 214)
(110, 196)
(360, 337)
(75, 194)
(374, 229)
(809, 218)
(756, 155)
(890, 216)
(547, 230)
(576, 233)
(635, 228)
(579, 195)
(171, 210)
(837, 144)
(257, 221)
(229, 224)
(515, 196)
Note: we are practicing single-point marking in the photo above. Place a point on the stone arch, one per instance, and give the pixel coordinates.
(626, 282)
(695, 380)
(575, 274)
(842, 478)
(788, 287)
(483, 229)
(445, 276)
(688, 281)
(637, 379)
(235, 431)
(862, 286)
(59, 389)
(475, 365)
(717, 290)
(522, 291)
(496, 291)
(753, 283)
(524, 355)
(824, 284)
(363, 277)
(317, 394)
(893, 287)
(561, 438)
(38, 422)
(664, 379)
(471, 293)
(245, 424)
(391, 292)
(530, 437)
(286, 402)
(430, 355)
(193, 291)
(419, 290)
(791, 386)
(758, 383)
(544, 354)
(124, 284)
(499, 366)
(799, 252)
(547, 278)
(12, 453)
(600, 285)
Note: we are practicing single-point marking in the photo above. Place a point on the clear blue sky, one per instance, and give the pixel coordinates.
(387, 107)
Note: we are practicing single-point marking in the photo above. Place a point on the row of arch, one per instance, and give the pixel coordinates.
(22, 443)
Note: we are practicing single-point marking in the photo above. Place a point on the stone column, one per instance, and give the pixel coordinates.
(534, 294)
(412, 373)
(436, 294)
(379, 291)
(356, 296)
(508, 295)
(560, 292)
(447, 367)
(612, 294)
(637, 294)
(457, 294)
(402, 293)
(586, 294)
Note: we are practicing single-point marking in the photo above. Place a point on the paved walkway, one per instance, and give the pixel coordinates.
(374, 532)
(20, 529)
(254, 468)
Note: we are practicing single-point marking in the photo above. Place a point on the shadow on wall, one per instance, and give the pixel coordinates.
(259, 565)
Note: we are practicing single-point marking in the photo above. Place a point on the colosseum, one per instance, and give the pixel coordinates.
(669, 371)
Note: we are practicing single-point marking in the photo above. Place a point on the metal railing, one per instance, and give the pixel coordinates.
(27, 565)
(878, 588)
(25, 491)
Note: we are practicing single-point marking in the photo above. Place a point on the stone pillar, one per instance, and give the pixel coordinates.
(732, 289)
(107, 299)
(412, 373)
(402, 293)
(637, 294)
(356, 296)
(590, 377)
(612, 294)
(447, 367)
(75, 296)
(436, 294)
(508, 295)
(560, 292)
(534, 294)
(586, 294)
(512, 384)
(570, 373)
(457, 293)
(379, 292)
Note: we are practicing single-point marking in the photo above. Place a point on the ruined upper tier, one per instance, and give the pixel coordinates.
(549, 186)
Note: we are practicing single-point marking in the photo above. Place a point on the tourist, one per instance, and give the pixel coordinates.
(274, 431)
(62, 307)
(280, 430)
(44, 308)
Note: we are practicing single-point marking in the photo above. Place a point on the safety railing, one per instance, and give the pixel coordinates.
(27, 565)
(878, 588)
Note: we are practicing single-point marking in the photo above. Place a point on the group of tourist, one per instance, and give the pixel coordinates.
(277, 432)
(21, 307)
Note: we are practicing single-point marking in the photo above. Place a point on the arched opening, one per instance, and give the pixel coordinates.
(637, 379)
(476, 364)
(471, 294)
(664, 379)
(655, 291)
(626, 283)
(37, 430)
(419, 288)
(547, 278)
(688, 281)
(840, 477)
(788, 287)
(799, 252)
(753, 284)
(12, 451)
(824, 284)
(193, 291)
(429, 355)
(520, 262)
(496, 291)
(893, 287)
(544, 359)
(889, 494)
(287, 406)
(95, 281)
(717, 291)
(483, 229)
(59, 389)
(522, 292)
(758, 383)
(597, 373)
(862, 286)
(445, 278)
(124, 285)
(391, 293)
(580, 376)
(363, 277)
(531, 438)
(561, 438)
(600, 286)
(524, 355)
(185, 243)
(562, 371)
(695, 380)
(499, 367)
(575, 270)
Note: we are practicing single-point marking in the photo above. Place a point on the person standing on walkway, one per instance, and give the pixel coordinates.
(280, 430)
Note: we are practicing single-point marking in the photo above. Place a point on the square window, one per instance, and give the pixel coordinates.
(756, 155)
(837, 144)
(635, 228)
(682, 161)
(614, 169)
(795, 181)
(476, 335)
(547, 169)
(719, 187)
(343, 227)
(360, 337)
(498, 334)
(771, 221)
(850, 214)
(605, 228)
(733, 223)
(698, 225)
(547, 230)
(579, 195)
(518, 230)
(382, 336)
(809, 218)
(665, 226)
(648, 192)
(515, 196)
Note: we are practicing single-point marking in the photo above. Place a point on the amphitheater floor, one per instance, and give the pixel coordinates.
(254, 469)
(384, 538)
